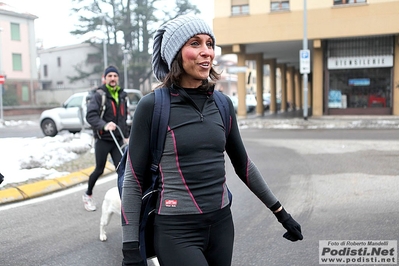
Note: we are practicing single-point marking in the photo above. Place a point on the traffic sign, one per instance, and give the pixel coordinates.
(304, 61)
(237, 69)
(2, 79)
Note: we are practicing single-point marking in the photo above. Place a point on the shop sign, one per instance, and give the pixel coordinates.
(360, 62)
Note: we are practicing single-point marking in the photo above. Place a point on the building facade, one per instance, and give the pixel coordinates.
(17, 56)
(61, 66)
(353, 45)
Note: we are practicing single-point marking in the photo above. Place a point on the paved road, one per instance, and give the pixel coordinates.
(339, 184)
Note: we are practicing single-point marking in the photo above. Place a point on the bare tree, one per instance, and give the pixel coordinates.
(129, 24)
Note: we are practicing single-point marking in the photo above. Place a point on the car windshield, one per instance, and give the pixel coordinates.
(74, 102)
(134, 98)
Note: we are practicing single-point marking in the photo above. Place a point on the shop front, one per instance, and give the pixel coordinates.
(359, 76)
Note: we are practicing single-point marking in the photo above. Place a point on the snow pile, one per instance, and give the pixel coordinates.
(30, 158)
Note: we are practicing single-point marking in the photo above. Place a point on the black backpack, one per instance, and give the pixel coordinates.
(160, 120)
(103, 99)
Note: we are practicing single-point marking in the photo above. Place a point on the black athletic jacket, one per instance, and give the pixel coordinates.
(114, 112)
(192, 166)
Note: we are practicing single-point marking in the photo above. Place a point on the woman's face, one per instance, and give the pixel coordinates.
(197, 57)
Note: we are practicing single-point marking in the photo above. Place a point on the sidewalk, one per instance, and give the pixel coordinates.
(295, 120)
(287, 120)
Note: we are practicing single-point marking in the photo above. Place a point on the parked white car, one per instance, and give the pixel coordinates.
(250, 101)
(72, 115)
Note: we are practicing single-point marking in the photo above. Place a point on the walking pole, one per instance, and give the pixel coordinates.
(116, 141)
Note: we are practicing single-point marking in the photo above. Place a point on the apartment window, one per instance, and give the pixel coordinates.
(239, 7)
(25, 93)
(279, 5)
(45, 71)
(343, 2)
(59, 61)
(17, 62)
(15, 32)
(93, 59)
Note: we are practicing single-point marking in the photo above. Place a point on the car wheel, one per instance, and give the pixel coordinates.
(49, 128)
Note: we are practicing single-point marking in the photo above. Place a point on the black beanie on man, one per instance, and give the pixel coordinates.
(110, 69)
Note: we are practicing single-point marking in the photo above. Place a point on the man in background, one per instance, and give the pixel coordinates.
(107, 111)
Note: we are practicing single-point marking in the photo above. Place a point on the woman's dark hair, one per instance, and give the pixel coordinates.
(177, 70)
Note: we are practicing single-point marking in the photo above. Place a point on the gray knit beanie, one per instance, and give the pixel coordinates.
(170, 38)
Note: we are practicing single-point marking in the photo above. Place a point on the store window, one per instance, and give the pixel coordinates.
(239, 7)
(279, 5)
(360, 88)
(343, 2)
(360, 72)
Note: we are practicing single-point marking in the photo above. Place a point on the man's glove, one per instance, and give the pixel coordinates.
(293, 228)
(131, 254)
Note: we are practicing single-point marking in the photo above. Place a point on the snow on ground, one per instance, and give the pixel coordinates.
(30, 158)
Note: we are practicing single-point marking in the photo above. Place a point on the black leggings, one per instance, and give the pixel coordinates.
(195, 240)
(102, 148)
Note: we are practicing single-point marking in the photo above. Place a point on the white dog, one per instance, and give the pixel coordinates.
(111, 205)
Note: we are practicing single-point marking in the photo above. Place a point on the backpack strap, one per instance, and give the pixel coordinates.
(223, 106)
(103, 98)
(159, 126)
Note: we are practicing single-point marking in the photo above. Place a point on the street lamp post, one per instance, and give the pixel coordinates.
(105, 44)
(125, 54)
(305, 74)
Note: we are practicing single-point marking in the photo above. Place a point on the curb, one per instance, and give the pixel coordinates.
(43, 187)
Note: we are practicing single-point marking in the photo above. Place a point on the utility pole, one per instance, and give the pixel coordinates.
(305, 62)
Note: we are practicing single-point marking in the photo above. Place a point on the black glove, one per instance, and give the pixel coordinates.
(131, 254)
(293, 228)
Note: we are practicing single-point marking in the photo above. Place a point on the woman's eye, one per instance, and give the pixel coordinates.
(209, 44)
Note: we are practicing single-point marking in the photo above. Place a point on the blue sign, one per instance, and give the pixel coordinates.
(305, 54)
(304, 61)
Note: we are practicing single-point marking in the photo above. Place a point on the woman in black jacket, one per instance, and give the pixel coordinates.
(193, 223)
(106, 110)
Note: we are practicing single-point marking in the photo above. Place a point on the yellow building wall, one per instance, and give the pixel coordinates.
(328, 22)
